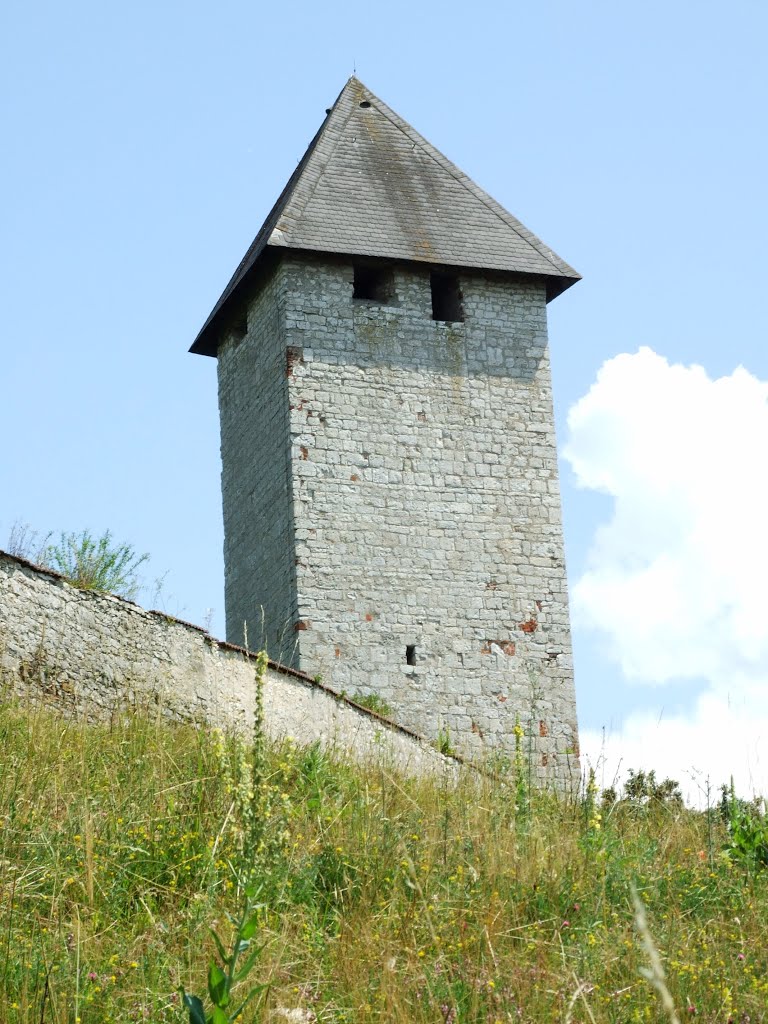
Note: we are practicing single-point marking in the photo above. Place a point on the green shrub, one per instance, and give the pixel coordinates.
(96, 564)
(642, 789)
(747, 826)
(373, 702)
(443, 743)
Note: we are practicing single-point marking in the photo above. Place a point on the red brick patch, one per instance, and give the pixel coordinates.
(293, 357)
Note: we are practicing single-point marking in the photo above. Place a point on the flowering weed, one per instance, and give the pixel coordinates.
(363, 896)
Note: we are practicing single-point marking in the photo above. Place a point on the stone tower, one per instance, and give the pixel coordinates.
(391, 501)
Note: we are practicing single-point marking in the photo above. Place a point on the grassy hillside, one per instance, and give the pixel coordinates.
(383, 899)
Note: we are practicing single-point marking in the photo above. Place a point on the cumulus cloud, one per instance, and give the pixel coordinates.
(718, 740)
(675, 581)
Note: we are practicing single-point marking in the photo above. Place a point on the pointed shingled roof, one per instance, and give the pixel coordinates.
(369, 185)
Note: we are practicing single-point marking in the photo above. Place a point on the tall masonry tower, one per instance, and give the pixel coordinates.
(391, 501)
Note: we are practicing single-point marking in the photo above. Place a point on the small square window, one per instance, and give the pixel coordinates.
(446, 298)
(376, 284)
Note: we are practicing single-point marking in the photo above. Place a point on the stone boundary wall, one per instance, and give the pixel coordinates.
(97, 655)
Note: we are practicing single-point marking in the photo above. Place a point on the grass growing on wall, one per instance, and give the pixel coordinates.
(383, 899)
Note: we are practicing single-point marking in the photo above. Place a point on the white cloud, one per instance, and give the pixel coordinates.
(676, 581)
(718, 740)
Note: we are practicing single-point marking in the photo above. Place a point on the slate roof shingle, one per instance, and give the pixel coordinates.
(369, 185)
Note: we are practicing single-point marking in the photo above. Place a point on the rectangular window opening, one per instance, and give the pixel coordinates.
(376, 284)
(446, 298)
(410, 654)
(240, 328)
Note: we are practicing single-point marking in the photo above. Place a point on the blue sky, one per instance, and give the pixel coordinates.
(144, 144)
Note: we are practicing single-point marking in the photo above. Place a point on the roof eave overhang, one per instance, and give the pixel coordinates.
(210, 337)
(208, 340)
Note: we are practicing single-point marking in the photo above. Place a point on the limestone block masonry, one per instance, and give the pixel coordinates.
(98, 656)
(391, 500)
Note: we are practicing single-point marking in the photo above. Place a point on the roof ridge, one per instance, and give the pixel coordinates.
(464, 179)
(316, 175)
(280, 205)
(264, 232)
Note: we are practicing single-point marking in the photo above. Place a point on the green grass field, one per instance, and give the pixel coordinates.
(383, 898)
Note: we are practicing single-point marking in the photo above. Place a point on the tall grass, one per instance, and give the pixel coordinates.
(386, 899)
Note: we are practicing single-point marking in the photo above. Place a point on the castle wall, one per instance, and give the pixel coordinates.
(97, 656)
(426, 505)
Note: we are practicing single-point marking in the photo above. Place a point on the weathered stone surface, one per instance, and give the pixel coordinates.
(98, 656)
(391, 501)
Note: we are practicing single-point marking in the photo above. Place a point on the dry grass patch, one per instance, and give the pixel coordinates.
(383, 898)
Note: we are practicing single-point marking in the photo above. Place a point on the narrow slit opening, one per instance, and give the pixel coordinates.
(410, 654)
